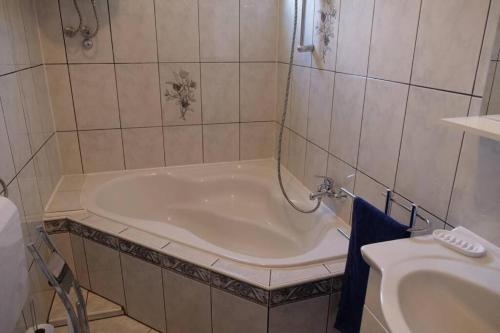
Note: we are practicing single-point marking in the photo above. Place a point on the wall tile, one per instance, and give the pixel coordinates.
(299, 97)
(315, 165)
(169, 74)
(256, 140)
(80, 259)
(326, 31)
(171, 14)
(393, 39)
(187, 304)
(69, 150)
(429, 151)
(29, 17)
(344, 176)
(51, 35)
(138, 95)
(102, 52)
(442, 60)
(233, 314)
(12, 105)
(133, 30)
(494, 102)
(320, 107)
(354, 36)
(101, 150)
(219, 27)
(143, 287)
(105, 271)
(474, 202)
(18, 57)
(346, 117)
(220, 92)
(143, 147)
(94, 93)
(370, 190)
(183, 145)
(61, 98)
(296, 155)
(281, 83)
(257, 91)
(30, 195)
(7, 171)
(300, 317)
(258, 30)
(221, 143)
(382, 127)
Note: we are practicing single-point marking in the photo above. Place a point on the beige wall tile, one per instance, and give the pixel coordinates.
(257, 91)
(143, 147)
(94, 93)
(299, 100)
(183, 145)
(320, 107)
(143, 287)
(258, 30)
(326, 31)
(442, 58)
(105, 271)
(170, 15)
(51, 36)
(354, 36)
(393, 39)
(233, 314)
(296, 155)
(346, 118)
(383, 117)
(315, 165)
(187, 304)
(80, 259)
(102, 52)
(61, 98)
(69, 150)
(370, 190)
(101, 150)
(138, 95)
(219, 27)
(256, 140)
(221, 143)
(171, 107)
(220, 90)
(344, 175)
(429, 151)
(7, 170)
(300, 317)
(133, 30)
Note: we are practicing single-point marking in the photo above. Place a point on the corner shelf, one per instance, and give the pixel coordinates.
(487, 126)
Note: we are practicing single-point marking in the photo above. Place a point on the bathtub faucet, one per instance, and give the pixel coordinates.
(326, 188)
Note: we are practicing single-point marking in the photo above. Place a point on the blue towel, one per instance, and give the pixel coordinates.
(369, 225)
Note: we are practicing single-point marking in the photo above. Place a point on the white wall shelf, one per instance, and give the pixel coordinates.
(487, 126)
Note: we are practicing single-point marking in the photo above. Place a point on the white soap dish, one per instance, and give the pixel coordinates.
(459, 244)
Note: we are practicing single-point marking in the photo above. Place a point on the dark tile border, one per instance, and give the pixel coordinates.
(261, 296)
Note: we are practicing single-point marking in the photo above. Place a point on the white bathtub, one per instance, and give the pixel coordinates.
(234, 210)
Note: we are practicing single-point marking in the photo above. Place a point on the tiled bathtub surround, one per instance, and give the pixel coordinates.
(29, 161)
(171, 287)
(366, 111)
(110, 105)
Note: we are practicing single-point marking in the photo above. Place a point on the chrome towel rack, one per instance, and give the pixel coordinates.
(4, 190)
(413, 209)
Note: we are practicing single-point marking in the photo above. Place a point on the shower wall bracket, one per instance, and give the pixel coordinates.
(304, 48)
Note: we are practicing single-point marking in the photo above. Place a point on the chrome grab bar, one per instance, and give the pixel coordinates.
(302, 47)
(4, 190)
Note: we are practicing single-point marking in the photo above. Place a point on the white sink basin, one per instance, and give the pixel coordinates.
(439, 295)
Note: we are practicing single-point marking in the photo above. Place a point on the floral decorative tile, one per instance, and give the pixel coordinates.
(325, 27)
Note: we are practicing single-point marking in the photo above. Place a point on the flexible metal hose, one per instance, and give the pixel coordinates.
(94, 9)
(283, 118)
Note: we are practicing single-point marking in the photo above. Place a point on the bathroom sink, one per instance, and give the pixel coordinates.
(443, 298)
(425, 287)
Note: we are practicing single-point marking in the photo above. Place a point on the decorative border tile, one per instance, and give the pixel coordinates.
(140, 252)
(94, 235)
(241, 289)
(57, 226)
(301, 292)
(186, 268)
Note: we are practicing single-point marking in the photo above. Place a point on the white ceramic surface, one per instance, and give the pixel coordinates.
(234, 210)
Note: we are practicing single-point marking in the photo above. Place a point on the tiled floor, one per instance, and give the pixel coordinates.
(120, 324)
(104, 316)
